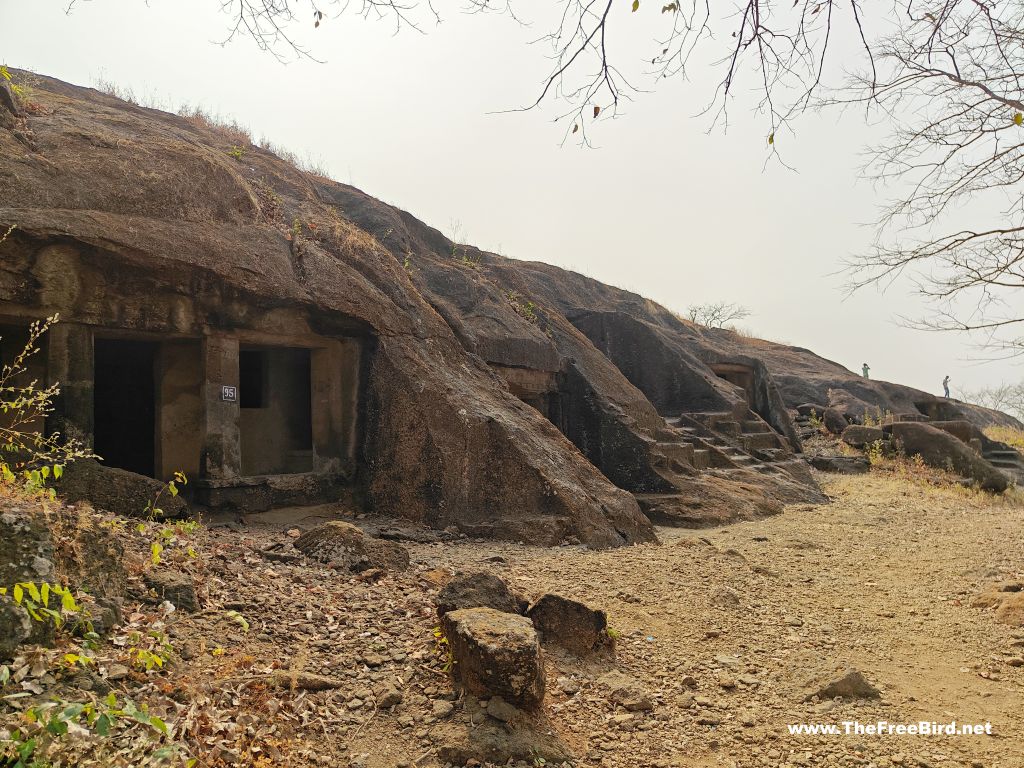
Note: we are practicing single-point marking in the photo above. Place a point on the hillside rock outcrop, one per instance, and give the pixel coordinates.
(448, 386)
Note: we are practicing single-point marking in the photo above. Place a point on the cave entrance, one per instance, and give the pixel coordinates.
(276, 410)
(13, 339)
(739, 375)
(124, 404)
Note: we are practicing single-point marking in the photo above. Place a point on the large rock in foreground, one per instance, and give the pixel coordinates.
(576, 627)
(496, 654)
(117, 490)
(942, 450)
(56, 546)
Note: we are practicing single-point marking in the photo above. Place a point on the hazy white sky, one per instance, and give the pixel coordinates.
(665, 205)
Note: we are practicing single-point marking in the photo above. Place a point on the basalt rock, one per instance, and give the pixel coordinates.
(569, 624)
(56, 546)
(942, 450)
(834, 420)
(477, 589)
(842, 465)
(345, 546)
(118, 491)
(496, 654)
(858, 436)
(494, 397)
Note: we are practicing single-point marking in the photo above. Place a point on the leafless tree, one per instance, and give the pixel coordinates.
(718, 315)
(945, 75)
(1008, 398)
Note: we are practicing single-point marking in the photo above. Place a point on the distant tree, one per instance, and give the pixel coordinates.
(1008, 398)
(945, 75)
(719, 315)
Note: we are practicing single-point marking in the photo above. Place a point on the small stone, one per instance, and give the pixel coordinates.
(626, 691)
(727, 682)
(568, 686)
(117, 672)
(389, 696)
(442, 709)
(846, 684)
(500, 709)
(725, 597)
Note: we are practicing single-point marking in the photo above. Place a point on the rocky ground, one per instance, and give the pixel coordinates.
(726, 632)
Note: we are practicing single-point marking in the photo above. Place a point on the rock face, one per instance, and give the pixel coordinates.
(576, 627)
(496, 654)
(451, 387)
(26, 555)
(345, 546)
(477, 589)
(944, 451)
(57, 547)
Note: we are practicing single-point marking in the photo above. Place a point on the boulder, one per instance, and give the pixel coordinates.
(834, 420)
(26, 555)
(571, 625)
(347, 547)
(117, 490)
(88, 558)
(858, 436)
(496, 654)
(477, 589)
(944, 451)
(844, 683)
(1011, 610)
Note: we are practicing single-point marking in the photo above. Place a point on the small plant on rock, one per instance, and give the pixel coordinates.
(28, 456)
(815, 421)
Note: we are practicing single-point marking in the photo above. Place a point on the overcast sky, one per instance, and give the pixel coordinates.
(666, 205)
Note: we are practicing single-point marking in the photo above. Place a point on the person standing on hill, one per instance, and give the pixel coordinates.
(945, 386)
(867, 371)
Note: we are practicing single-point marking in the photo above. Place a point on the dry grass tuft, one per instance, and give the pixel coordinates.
(1009, 435)
(235, 134)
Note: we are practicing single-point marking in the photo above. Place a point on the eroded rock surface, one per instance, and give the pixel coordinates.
(477, 589)
(942, 450)
(496, 654)
(346, 546)
(569, 624)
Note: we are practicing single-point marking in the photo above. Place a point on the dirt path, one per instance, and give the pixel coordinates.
(723, 627)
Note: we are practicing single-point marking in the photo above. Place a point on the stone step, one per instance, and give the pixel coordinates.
(1006, 463)
(728, 427)
(678, 450)
(701, 458)
(759, 440)
(1003, 454)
